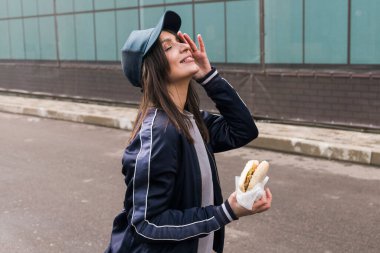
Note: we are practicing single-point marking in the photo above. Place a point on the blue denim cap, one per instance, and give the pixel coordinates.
(140, 42)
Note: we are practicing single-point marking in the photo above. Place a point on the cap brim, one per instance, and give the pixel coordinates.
(169, 21)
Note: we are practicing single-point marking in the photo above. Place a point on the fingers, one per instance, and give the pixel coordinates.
(201, 43)
(268, 203)
(268, 194)
(259, 204)
(180, 35)
(264, 203)
(186, 38)
(191, 43)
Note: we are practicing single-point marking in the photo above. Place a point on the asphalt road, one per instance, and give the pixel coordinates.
(61, 186)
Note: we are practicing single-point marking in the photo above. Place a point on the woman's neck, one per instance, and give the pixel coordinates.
(178, 93)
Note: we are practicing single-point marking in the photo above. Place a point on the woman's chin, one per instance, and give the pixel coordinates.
(192, 72)
(187, 73)
(196, 70)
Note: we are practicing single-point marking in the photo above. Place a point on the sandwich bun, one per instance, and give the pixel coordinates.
(259, 175)
(253, 173)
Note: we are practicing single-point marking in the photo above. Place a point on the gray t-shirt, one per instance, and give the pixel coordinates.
(205, 243)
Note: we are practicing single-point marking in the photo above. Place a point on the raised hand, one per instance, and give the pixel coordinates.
(199, 55)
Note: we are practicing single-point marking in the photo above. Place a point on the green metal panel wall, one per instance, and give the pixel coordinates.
(243, 31)
(365, 34)
(150, 16)
(126, 3)
(150, 2)
(47, 38)
(101, 4)
(296, 31)
(106, 36)
(186, 13)
(5, 49)
(14, 8)
(16, 39)
(67, 38)
(63, 6)
(45, 7)
(30, 7)
(283, 26)
(83, 5)
(32, 39)
(326, 31)
(85, 36)
(3, 8)
(212, 29)
(175, 1)
(124, 27)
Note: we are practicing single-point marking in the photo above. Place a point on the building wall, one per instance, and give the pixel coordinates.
(310, 61)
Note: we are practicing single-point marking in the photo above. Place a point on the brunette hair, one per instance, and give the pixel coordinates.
(155, 77)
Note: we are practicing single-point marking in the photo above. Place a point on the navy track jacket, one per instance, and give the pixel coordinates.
(162, 206)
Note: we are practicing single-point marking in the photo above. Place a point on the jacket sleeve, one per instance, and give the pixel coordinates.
(153, 183)
(235, 126)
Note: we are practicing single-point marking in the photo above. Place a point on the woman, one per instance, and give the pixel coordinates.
(173, 201)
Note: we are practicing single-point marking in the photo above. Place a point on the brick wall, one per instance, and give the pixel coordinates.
(346, 101)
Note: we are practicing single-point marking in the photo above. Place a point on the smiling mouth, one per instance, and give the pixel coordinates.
(187, 59)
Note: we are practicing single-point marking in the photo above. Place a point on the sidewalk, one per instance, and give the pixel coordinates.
(333, 144)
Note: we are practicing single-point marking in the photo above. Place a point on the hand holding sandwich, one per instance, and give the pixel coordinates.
(251, 179)
(259, 206)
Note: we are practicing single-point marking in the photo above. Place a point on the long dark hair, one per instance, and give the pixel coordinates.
(155, 78)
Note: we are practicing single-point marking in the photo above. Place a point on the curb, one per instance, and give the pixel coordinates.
(331, 151)
(93, 119)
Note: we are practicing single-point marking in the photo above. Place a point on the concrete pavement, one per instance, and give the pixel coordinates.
(344, 145)
(61, 187)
